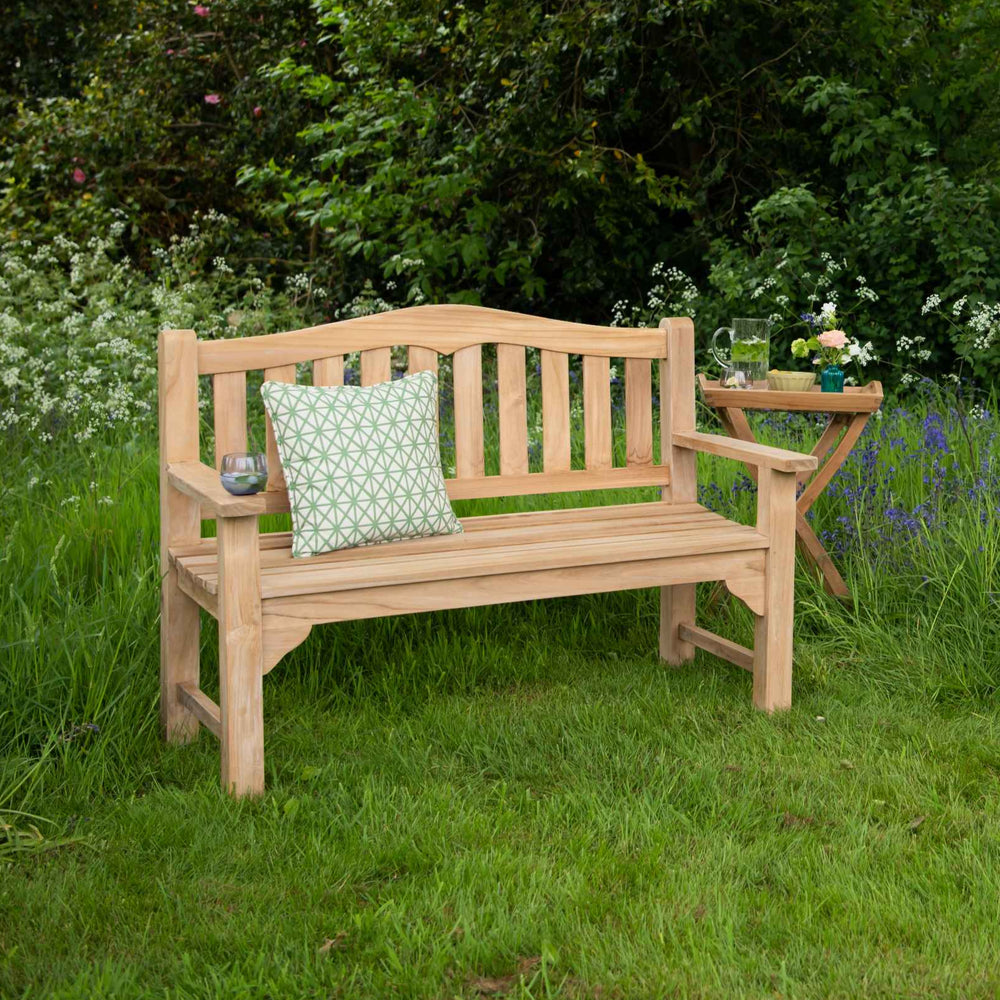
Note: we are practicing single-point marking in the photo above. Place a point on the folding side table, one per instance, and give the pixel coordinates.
(848, 413)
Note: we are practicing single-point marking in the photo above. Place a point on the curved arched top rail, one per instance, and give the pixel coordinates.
(441, 328)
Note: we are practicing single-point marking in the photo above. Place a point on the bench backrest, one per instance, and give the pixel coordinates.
(461, 331)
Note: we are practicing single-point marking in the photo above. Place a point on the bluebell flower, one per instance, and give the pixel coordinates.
(934, 439)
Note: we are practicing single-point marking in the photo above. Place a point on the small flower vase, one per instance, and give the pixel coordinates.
(831, 379)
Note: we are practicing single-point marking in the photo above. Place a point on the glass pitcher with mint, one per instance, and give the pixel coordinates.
(749, 343)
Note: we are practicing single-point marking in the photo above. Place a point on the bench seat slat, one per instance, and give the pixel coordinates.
(615, 512)
(496, 550)
(512, 529)
(286, 578)
(498, 560)
(744, 570)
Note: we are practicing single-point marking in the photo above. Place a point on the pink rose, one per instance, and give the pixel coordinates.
(212, 98)
(257, 111)
(832, 338)
(79, 176)
(201, 10)
(170, 52)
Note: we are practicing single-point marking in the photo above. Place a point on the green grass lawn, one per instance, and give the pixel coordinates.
(517, 801)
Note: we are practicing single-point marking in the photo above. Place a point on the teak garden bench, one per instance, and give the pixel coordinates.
(266, 602)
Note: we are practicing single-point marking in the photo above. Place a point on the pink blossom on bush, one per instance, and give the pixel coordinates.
(79, 176)
(257, 111)
(832, 338)
(201, 10)
(170, 52)
(212, 98)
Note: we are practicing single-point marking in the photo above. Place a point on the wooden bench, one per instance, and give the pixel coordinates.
(266, 602)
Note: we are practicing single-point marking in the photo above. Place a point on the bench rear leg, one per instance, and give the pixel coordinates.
(677, 607)
(772, 653)
(180, 523)
(180, 638)
(241, 657)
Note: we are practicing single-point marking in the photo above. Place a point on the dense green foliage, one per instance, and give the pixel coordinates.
(133, 113)
(540, 154)
(537, 155)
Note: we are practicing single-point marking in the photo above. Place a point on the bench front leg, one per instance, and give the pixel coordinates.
(772, 652)
(241, 657)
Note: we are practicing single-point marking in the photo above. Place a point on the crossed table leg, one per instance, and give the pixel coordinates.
(831, 455)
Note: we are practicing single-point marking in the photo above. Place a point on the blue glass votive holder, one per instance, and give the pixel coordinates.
(244, 472)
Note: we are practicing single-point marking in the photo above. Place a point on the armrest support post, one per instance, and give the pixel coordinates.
(772, 662)
(776, 502)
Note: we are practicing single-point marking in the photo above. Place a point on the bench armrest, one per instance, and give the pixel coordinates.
(201, 482)
(779, 459)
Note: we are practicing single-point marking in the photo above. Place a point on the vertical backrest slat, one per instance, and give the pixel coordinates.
(597, 412)
(275, 474)
(467, 367)
(512, 392)
(229, 397)
(638, 411)
(329, 371)
(677, 407)
(555, 411)
(376, 366)
(422, 359)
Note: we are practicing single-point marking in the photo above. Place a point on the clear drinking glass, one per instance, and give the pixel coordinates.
(749, 345)
(736, 376)
(244, 472)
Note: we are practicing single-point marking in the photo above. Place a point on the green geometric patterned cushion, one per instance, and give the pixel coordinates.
(362, 465)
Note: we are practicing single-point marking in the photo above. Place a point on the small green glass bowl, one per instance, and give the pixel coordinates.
(243, 472)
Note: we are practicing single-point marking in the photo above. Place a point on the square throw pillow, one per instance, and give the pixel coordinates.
(362, 465)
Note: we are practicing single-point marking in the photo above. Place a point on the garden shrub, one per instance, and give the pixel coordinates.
(897, 213)
(545, 158)
(163, 103)
(79, 323)
(532, 157)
